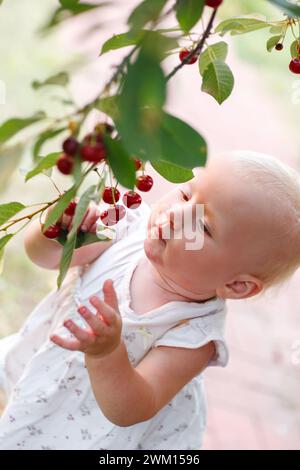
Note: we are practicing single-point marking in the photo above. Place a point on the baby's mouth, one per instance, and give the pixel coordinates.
(163, 228)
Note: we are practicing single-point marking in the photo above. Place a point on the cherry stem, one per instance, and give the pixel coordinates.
(54, 184)
(197, 50)
(111, 185)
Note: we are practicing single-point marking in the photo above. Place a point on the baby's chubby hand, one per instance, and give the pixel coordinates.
(103, 334)
(89, 220)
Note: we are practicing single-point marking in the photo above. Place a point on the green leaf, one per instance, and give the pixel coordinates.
(7, 211)
(172, 141)
(82, 239)
(90, 238)
(69, 3)
(211, 53)
(180, 143)
(9, 159)
(272, 42)
(120, 162)
(109, 106)
(146, 80)
(156, 46)
(218, 81)
(81, 209)
(44, 164)
(171, 172)
(148, 10)
(133, 38)
(140, 105)
(188, 13)
(117, 41)
(3, 242)
(290, 9)
(278, 29)
(15, 125)
(66, 259)
(47, 135)
(295, 48)
(71, 10)
(240, 25)
(60, 206)
(60, 79)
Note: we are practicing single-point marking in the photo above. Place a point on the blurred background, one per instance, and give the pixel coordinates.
(254, 402)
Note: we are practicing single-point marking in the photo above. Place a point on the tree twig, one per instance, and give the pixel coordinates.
(29, 216)
(197, 50)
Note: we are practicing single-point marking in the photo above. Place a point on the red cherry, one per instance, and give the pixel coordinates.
(132, 200)
(138, 164)
(52, 231)
(279, 47)
(71, 146)
(112, 215)
(184, 53)
(213, 3)
(295, 65)
(109, 194)
(65, 164)
(93, 153)
(70, 210)
(144, 183)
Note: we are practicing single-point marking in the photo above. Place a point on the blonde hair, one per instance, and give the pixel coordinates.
(282, 183)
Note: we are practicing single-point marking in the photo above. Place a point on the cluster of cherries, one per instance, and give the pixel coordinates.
(93, 150)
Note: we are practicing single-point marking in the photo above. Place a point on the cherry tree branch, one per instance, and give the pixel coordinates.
(197, 50)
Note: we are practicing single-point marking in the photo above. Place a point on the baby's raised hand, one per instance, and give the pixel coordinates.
(89, 220)
(103, 334)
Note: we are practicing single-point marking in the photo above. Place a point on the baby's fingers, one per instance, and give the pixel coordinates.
(91, 217)
(104, 311)
(92, 320)
(81, 334)
(71, 344)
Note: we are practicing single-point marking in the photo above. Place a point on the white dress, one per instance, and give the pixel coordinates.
(50, 400)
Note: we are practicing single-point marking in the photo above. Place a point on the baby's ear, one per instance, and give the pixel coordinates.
(242, 288)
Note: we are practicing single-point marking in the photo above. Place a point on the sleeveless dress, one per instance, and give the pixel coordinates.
(50, 399)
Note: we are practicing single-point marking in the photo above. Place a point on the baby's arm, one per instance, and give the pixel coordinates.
(47, 253)
(128, 395)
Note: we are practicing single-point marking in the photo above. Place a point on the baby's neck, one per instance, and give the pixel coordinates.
(148, 279)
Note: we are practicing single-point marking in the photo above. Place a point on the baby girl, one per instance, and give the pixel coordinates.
(114, 359)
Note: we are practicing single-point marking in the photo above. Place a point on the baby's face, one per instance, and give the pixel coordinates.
(237, 221)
